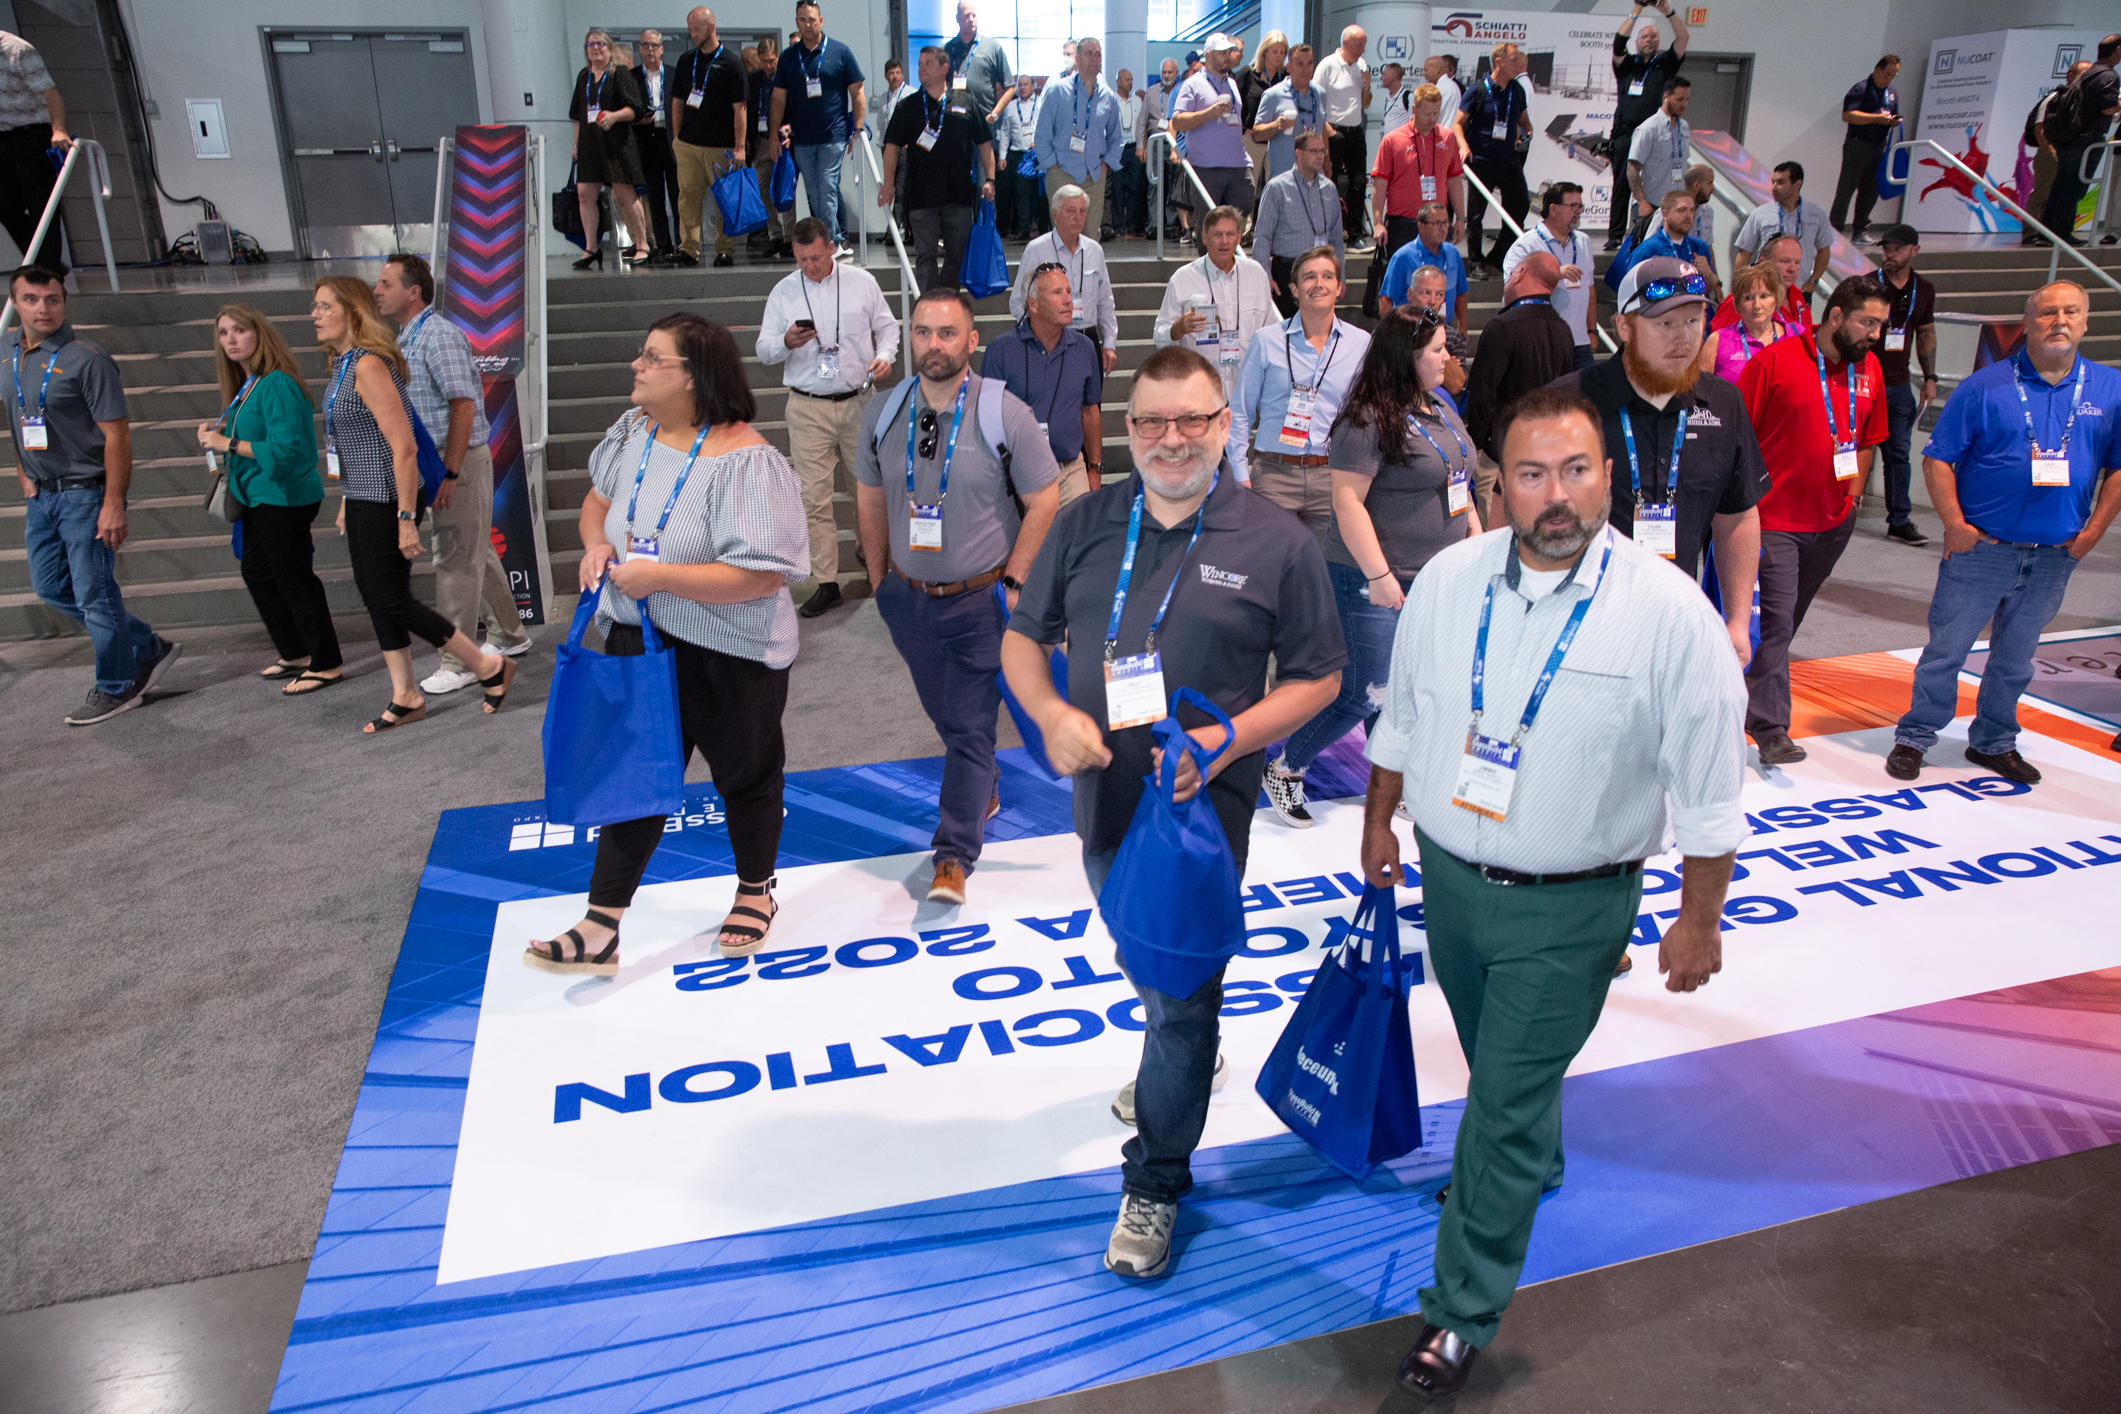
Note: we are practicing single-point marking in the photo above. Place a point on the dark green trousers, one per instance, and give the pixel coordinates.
(1525, 971)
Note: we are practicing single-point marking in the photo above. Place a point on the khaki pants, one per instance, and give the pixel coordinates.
(822, 440)
(778, 223)
(1056, 179)
(1304, 491)
(698, 170)
(1257, 151)
(468, 574)
(1074, 480)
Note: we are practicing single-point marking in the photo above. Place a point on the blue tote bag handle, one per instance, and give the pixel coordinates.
(1057, 665)
(1175, 738)
(585, 612)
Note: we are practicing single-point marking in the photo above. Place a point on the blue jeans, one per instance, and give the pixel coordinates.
(819, 166)
(1368, 629)
(953, 648)
(75, 573)
(1899, 437)
(2021, 589)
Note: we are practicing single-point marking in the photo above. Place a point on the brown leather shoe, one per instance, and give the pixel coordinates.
(949, 885)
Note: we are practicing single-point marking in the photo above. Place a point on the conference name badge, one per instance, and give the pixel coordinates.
(213, 463)
(1635, 86)
(1134, 691)
(815, 88)
(644, 547)
(596, 111)
(1428, 189)
(1501, 132)
(698, 96)
(828, 363)
(1458, 494)
(1487, 773)
(2050, 468)
(1296, 422)
(1076, 143)
(36, 437)
(924, 529)
(926, 141)
(331, 462)
(1896, 341)
(1233, 353)
(1657, 530)
(958, 83)
(1845, 462)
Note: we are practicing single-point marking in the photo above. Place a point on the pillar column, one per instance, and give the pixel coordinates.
(522, 58)
(1127, 41)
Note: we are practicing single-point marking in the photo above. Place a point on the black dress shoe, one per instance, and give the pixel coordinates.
(1776, 748)
(724, 260)
(825, 598)
(1903, 763)
(2007, 764)
(1612, 243)
(1906, 534)
(1437, 1366)
(685, 262)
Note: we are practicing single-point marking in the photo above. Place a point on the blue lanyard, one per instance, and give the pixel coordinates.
(1848, 381)
(802, 63)
(640, 474)
(338, 373)
(1465, 448)
(594, 100)
(1126, 571)
(1671, 476)
(1561, 650)
(1560, 252)
(2076, 400)
(236, 402)
(1081, 123)
(411, 337)
(51, 361)
(957, 420)
(1781, 216)
(933, 124)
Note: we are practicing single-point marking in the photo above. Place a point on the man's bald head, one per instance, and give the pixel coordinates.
(1537, 274)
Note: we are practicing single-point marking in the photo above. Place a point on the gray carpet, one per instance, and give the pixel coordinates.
(207, 896)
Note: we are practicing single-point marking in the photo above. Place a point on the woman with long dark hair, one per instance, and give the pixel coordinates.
(369, 446)
(1403, 470)
(265, 441)
(696, 521)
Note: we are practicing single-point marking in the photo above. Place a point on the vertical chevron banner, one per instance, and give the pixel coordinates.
(483, 293)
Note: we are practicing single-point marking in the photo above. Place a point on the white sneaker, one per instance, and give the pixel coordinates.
(515, 652)
(1141, 1240)
(449, 680)
(1285, 792)
(1123, 1103)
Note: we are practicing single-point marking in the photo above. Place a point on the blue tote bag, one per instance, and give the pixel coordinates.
(783, 183)
(1034, 739)
(432, 467)
(1342, 1074)
(612, 748)
(1171, 902)
(736, 196)
(986, 268)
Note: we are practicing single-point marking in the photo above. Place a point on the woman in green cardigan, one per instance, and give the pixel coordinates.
(266, 439)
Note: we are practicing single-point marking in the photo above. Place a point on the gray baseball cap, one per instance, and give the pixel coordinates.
(1661, 284)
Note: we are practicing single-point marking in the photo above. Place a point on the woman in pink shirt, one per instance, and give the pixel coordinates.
(1757, 293)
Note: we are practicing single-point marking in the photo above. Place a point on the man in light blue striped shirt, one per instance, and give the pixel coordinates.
(1079, 136)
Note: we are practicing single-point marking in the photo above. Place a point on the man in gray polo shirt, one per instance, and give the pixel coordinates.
(451, 400)
(74, 450)
(1246, 580)
(934, 471)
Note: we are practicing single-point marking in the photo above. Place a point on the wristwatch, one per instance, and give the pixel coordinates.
(405, 515)
(1011, 582)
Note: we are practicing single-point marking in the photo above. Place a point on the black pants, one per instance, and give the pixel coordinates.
(1793, 567)
(278, 571)
(1505, 177)
(1623, 202)
(26, 181)
(1284, 276)
(659, 165)
(2068, 188)
(935, 237)
(729, 709)
(1349, 149)
(1859, 179)
(1020, 201)
(1127, 204)
(384, 576)
(1397, 232)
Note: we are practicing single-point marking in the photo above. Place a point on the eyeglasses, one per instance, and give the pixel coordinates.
(1152, 426)
(596, 44)
(928, 433)
(652, 358)
(1664, 289)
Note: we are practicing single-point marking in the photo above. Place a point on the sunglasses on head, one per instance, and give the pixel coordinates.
(1664, 289)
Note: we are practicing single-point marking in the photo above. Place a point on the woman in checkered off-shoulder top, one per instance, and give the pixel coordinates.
(695, 520)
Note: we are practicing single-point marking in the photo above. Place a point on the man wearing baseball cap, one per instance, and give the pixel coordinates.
(1210, 112)
(1910, 327)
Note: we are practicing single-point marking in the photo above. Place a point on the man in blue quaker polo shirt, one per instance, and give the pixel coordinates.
(2020, 466)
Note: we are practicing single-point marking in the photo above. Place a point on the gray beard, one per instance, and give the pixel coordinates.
(1566, 543)
(1192, 486)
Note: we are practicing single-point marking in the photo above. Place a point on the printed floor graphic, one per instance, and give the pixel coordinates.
(874, 1166)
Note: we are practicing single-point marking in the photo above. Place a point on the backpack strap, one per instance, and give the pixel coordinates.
(893, 402)
(990, 419)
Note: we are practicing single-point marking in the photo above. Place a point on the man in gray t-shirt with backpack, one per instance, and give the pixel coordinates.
(955, 487)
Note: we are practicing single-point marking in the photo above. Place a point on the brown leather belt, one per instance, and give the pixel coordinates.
(955, 587)
(1280, 460)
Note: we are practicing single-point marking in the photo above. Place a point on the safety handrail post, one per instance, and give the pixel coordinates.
(2087, 173)
(1174, 156)
(907, 280)
(2056, 245)
(1507, 220)
(85, 149)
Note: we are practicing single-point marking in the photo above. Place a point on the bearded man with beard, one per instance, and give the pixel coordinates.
(1820, 405)
(1553, 686)
(1178, 572)
(1686, 466)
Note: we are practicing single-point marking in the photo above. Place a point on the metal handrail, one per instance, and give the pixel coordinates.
(1509, 221)
(2106, 194)
(99, 161)
(2056, 246)
(907, 279)
(1171, 142)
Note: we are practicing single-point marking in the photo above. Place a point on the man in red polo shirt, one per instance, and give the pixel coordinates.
(1818, 406)
(1786, 254)
(1417, 163)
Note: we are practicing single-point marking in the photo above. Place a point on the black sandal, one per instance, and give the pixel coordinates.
(497, 686)
(741, 939)
(283, 670)
(394, 716)
(553, 956)
(317, 683)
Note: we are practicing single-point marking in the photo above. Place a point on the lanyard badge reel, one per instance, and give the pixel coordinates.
(924, 527)
(2051, 468)
(1134, 685)
(1656, 523)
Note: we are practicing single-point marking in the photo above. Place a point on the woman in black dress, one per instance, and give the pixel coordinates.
(606, 97)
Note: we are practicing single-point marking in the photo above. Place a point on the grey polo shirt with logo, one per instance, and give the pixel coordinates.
(85, 390)
(979, 519)
(1255, 587)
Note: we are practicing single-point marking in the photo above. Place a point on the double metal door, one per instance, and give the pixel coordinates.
(362, 117)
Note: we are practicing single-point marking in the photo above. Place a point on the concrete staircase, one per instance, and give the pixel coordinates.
(177, 569)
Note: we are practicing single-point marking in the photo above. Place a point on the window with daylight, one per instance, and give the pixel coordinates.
(1031, 31)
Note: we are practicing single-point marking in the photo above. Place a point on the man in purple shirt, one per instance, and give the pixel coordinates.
(1208, 111)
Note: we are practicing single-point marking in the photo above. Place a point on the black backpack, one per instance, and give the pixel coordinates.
(2066, 119)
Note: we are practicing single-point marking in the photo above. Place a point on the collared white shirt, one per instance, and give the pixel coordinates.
(1661, 146)
(1130, 117)
(1648, 705)
(1339, 83)
(1573, 305)
(1398, 107)
(850, 313)
(1088, 280)
(1453, 95)
(889, 106)
(1274, 360)
(1240, 300)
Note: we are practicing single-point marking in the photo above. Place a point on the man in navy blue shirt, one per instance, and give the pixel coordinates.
(1870, 110)
(1492, 121)
(2020, 466)
(1056, 371)
(818, 109)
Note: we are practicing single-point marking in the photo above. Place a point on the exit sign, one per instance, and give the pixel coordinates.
(1697, 14)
